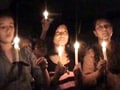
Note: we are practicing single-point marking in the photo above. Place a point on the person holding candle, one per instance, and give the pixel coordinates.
(45, 27)
(61, 61)
(18, 75)
(98, 73)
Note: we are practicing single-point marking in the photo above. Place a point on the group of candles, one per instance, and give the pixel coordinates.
(17, 39)
(60, 48)
(76, 46)
(60, 51)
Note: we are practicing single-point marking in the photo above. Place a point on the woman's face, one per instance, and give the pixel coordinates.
(103, 29)
(61, 36)
(6, 29)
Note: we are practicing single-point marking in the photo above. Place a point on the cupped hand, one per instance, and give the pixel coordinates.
(101, 66)
(42, 62)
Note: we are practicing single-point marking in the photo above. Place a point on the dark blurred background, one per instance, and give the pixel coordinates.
(77, 14)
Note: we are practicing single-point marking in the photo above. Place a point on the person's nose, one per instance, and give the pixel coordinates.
(8, 29)
(104, 28)
(60, 33)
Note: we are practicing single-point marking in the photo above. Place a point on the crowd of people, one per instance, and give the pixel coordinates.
(40, 67)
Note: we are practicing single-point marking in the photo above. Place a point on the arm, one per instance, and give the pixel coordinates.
(78, 75)
(45, 27)
(42, 62)
(113, 80)
(89, 75)
(38, 68)
(60, 69)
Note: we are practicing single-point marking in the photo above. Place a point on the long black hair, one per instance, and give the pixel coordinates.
(51, 33)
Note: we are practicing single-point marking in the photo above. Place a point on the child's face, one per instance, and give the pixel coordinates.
(6, 29)
(103, 29)
(40, 51)
(25, 42)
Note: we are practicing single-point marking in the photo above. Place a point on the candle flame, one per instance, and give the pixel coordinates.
(45, 14)
(76, 45)
(16, 42)
(60, 50)
(104, 45)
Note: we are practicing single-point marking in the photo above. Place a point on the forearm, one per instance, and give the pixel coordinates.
(55, 78)
(43, 35)
(46, 77)
(114, 80)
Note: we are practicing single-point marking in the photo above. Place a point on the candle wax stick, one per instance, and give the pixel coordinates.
(16, 46)
(104, 45)
(76, 56)
(76, 46)
(60, 51)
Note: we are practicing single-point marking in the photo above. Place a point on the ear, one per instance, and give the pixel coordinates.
(94, 32)
(111, 33)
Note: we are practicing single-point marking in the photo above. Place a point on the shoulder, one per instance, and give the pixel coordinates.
(26, 53)
(26, 50)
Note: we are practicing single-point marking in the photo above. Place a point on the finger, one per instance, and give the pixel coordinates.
(103, 62)
(39, 61)
(44, 61)
(36, 61)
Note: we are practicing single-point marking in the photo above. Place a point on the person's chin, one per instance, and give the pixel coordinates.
(105, 38)
(62, 43)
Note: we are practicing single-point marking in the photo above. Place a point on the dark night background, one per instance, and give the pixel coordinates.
(77, 14)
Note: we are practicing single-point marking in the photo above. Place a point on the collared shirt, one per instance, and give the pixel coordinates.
(18, 76)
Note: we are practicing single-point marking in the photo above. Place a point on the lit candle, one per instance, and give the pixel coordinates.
(45, 14)
(16, 46)
(104, 45)
(76, 46)
(60, 51)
